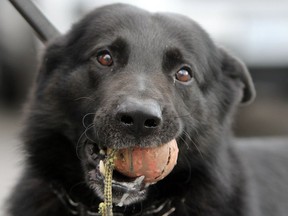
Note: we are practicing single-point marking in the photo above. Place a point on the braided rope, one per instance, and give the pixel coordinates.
(106, 207)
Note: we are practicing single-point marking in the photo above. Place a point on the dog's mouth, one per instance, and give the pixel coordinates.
(134, 169)
(126, 190)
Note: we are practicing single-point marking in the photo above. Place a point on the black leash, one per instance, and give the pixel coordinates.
(40, 24)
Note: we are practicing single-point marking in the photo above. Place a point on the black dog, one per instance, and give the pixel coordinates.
(124, 77)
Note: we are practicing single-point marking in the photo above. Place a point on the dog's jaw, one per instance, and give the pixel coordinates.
(126, 190)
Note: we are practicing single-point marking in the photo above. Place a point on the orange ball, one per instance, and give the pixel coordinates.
(152, 163)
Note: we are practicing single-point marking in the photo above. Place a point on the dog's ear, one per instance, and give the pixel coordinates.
(237, 70)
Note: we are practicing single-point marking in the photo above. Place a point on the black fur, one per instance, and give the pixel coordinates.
(74, 102)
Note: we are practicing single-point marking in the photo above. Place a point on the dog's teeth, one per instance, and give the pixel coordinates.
(139, 180)
(102, 167)
(124, 197)
(148, 184)
(102, 152)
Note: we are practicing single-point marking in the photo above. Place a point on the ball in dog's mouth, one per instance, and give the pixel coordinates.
(135, 169)
(152, 163)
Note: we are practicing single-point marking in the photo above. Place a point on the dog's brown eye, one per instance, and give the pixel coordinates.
(105, 59)
(184, 75)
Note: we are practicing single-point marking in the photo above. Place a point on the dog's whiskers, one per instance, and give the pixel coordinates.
(188, 147)
(83, 119)
(193, 142)
(85, 132)
(78, 145)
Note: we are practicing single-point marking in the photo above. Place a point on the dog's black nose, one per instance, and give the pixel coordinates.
(139, 117)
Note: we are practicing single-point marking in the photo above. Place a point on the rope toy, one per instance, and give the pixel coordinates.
(106, 207)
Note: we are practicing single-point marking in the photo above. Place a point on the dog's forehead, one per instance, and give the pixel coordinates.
(141, 29)
(150, 37)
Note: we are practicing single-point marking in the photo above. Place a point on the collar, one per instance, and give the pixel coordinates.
(161, 208)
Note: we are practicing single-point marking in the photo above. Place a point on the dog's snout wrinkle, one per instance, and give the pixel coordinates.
(139, 117)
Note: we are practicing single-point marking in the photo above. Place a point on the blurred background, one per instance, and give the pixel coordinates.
(254, 30)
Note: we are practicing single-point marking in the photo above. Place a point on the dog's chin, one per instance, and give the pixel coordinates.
(126, 190)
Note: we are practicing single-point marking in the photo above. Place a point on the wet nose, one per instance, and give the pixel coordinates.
(139, 117)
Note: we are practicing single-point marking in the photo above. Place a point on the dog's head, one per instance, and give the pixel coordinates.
(124, 77)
